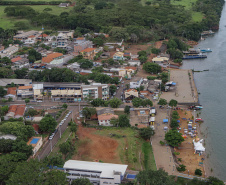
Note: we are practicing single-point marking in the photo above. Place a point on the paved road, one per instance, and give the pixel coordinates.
(47, 148)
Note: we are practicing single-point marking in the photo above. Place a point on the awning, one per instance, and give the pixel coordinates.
(165, 120)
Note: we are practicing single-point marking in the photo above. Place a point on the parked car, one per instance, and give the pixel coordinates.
(39, 101)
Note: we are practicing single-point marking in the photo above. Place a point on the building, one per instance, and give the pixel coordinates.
(88, 53)
(131, 93)
(160, 59)
(15, 111)
(95, 90)
(53, 57)
(9, 51)
(11, 93)
(118, 56)
(134, 63)
(36, 143)
(82, 44)
(8, 136)
(42, 37)
(64, 5)
(98, 173)
(105, 119)
(134, 85)
(20, 82)
(25, 92)
(24, 35)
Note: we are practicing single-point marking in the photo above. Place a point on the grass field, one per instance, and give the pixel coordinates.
(186, 3)
(132, 150)
(8, 22)
(197, 16)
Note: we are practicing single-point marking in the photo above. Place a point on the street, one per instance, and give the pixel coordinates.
(47, 147)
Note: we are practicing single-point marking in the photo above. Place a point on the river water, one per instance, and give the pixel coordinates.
(212, 88)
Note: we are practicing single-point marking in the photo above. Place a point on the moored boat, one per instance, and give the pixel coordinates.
(206, 50)
(186, 57)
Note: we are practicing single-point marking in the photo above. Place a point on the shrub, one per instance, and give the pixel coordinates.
(162, 143)
(198, 172)
(181, 168)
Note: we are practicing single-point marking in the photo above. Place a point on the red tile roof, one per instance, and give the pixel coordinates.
(17, 109)
(88, 50)
(25, 87)
(16, 59)
(11, 90)
(51, 57)
(32, 36)
(12, 108)
(131, 67)
(43, 35)
(107, 116)
(80, 38)
(83, 73)
(36, 127)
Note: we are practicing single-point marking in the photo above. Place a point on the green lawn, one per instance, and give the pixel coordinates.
(197, 16)
(186, 3)
(131, 148)
(8, 22)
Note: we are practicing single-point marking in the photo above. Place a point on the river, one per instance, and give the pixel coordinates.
(212, 88)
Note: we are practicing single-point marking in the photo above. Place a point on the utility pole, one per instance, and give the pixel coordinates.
(60, 130)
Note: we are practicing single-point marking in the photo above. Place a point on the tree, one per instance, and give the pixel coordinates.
(88, 112)
(85, 63)
(150, 177)
(181, 168)
(155, 51)
(55, 177)
(173, 103)
(198, 172)
(22, 147)
(152, 67)
(4, 110)
(214, 181)
(54, 160)
(67, 147)
(147, 102)
(146, 133)
(123, 121)
(21, 73)
(98, 41)
(112, 89)
(174, 124)
(115, 102)
(127, 109)
(3, 92)
(5, 60)
(143, 59)
(137, 102)
(47, 124)
(64, 105)
(114, 121)
(174, 138)
(6, 145)
(27, 100)
(97, 102)
(81, 181)
(162, 101)
(32, 112)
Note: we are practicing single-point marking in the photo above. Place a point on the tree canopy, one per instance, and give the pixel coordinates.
(152, 67)
(174, 138)
(47, 124)
(115, 102)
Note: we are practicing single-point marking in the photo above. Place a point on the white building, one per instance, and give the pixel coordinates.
(95, 90)
(98, 173)
(134, 85)
(9, 51)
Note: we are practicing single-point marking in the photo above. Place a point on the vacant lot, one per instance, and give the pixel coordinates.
(115, 145)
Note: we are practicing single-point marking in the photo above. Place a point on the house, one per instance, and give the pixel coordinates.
(98, 173)
(53, 57)
(30, 40)
(36, 143)
(134, 85)
(20, 82)
(11, 93)
(43, 37)
(16, 59)
(25, 92)
(9, 51)
(118, 56)
(65, 34)
(144, 93)
(105, 119)
(24, 35)
(134, 63)
(15, 111)
(105, 55)
(64, 4)
(88, 53)
(131, 93)
(1, 47)
(160, 59)
(82, 44)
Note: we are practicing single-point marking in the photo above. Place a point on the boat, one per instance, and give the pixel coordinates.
(187, 57)
(205, 33)
(208, 50)
(199, 120)
(198, 107)
(192, 51)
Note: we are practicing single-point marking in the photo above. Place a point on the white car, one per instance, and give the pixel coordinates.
(39, 101)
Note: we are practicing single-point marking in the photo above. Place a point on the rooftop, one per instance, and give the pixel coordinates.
(6, 81)
(25, 87)
(11, 90)
(131, 67)
(16, 59)
(107, 169)
(51, 57)
(105, 110)
(88, 50)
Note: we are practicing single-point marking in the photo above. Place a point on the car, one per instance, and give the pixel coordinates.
(117, 87)
(50, 137)
(122, 82)
(39, 101)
